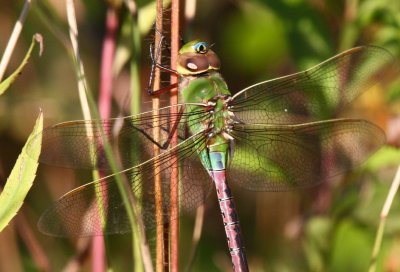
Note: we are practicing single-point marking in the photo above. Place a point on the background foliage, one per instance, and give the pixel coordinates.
(328, 228)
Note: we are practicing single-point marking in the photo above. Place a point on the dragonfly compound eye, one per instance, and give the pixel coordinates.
(201, 47)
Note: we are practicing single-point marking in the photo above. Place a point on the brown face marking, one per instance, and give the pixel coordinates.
(197, 63)
(193, 62)
(213, 60)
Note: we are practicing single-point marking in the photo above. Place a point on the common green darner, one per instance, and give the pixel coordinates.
(275, 135)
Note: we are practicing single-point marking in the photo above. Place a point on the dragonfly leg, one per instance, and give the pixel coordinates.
(155, 64)
(162, 90)
(170, 132)
(174, 128)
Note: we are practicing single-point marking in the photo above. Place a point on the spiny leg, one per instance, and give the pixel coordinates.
(155, 64)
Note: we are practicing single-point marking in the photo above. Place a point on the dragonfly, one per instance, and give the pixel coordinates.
(276, 135)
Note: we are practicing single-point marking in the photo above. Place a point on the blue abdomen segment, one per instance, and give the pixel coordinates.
(218, 160)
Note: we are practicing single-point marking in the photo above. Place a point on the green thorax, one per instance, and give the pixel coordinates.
(204, 90)
(194, 89)
(208, 94)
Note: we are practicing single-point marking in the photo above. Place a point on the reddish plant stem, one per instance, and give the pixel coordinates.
(104, 104)
(174, 190)
(107, 57)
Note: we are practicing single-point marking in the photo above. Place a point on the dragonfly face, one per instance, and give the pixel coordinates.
(196, 58)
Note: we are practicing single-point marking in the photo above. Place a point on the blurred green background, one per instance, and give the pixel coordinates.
(328, 228)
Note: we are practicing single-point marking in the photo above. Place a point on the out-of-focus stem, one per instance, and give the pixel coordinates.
(141, 252)
(107, 57)
(82, 84)
(394, 188)
(13, 38)
(104, 104)
(190, 11)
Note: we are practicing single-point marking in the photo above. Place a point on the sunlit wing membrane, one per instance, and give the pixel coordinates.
(80, 144)
(317, 93)
(80, 213)
(277, 158)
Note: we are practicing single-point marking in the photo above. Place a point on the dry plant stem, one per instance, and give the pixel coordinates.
(156, 134)
(174, 190)
(384, 213)
(82, 84)
(13, 38)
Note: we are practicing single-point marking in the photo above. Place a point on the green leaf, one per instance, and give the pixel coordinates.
(385, 157)
(9, 80)
(351, 249)
(21, 178)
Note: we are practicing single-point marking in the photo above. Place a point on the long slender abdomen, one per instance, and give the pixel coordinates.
(228, 211)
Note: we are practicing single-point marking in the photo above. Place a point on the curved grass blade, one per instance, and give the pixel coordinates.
(20, 180)
(5, 84)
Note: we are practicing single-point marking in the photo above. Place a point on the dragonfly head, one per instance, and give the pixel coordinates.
(196, 58)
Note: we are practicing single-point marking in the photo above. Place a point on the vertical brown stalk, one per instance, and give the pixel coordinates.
(174, 189)
(156, 135)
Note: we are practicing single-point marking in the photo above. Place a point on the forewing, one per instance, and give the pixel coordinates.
(317, 93)
(80, 144)
(80, 212)
(277, 158)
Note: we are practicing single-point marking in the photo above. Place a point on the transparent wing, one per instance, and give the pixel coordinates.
(317, 93)
(276, 158)
(79, 212)
(79, 144)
